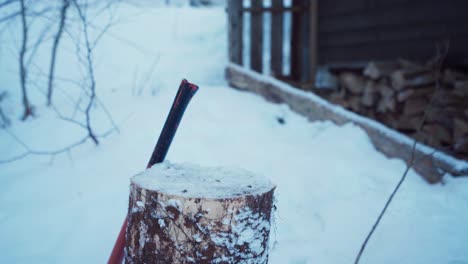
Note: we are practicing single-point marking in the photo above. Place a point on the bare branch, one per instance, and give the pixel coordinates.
(108, 114)
(7, 2)
(9, 16)
(28, 110)
(58, 36)
(4, 121)
(32, 152)
(90, 68)
(32, 50)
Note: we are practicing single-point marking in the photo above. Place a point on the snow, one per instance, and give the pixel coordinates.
(457, 164)
(190, 180)
(249, 228)
(331, 182)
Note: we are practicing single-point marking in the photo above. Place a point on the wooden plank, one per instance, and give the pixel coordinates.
(415, 50)
(396, 33)
(235, 23)
(428, 164)
(341, 7)
(313, 40)
(295, 45)
(256, 37)
(388, 29)
(334, 8)
(273, 9)
(300, 49)
(407, 14)
(277, 25)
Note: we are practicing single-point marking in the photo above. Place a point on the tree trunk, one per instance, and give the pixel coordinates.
(188, 214)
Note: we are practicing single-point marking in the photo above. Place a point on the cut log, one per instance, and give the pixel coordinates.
(370, 94)
(387, 99)
(386, 105)
(451, 76)
(355, 103)
(428, 139)
(406, 123)
(339, 98)
(446, 98)
(460, 88)
(352, 82)
(461, 145)
(443, 116)
(415, 106)
(460, 128)
(377, 70)
(411, 93)
(369, 112)
(438, 132)
(405, 78)
(187, 214)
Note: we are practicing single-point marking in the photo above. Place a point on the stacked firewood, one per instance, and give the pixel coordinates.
(399, 93)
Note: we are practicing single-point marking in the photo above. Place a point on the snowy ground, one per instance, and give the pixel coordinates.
(331, 182)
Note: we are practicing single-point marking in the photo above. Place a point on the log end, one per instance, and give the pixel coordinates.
(193, 181)
(182, 213)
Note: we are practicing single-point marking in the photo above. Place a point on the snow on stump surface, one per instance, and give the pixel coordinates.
(188, 214)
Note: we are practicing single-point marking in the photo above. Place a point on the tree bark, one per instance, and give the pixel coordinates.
(164, 227)
(28, 111)
(58, 36)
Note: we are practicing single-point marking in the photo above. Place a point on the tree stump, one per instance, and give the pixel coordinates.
(188, 214)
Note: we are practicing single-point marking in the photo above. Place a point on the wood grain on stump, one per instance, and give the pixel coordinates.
(188, 214)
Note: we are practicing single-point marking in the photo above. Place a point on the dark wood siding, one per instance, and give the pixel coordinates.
(363, 30)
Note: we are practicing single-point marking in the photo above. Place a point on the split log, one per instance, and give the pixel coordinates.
(443, 116)
(187, 214)
(355, 103)
(405, 123)
(460, 128)
(384, 89)
(440, 133)
(415, 106)
(339, 98)
(386, 105)
(370, 94)
(411, 93)
(460, 88)
(405, 78)
(426, 138)
(451, 76)
(377, 70)
(387, 100)
(461, 145)
(446, 98)
(352, 82)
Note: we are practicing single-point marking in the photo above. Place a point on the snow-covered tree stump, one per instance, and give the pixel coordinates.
(188, 214)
